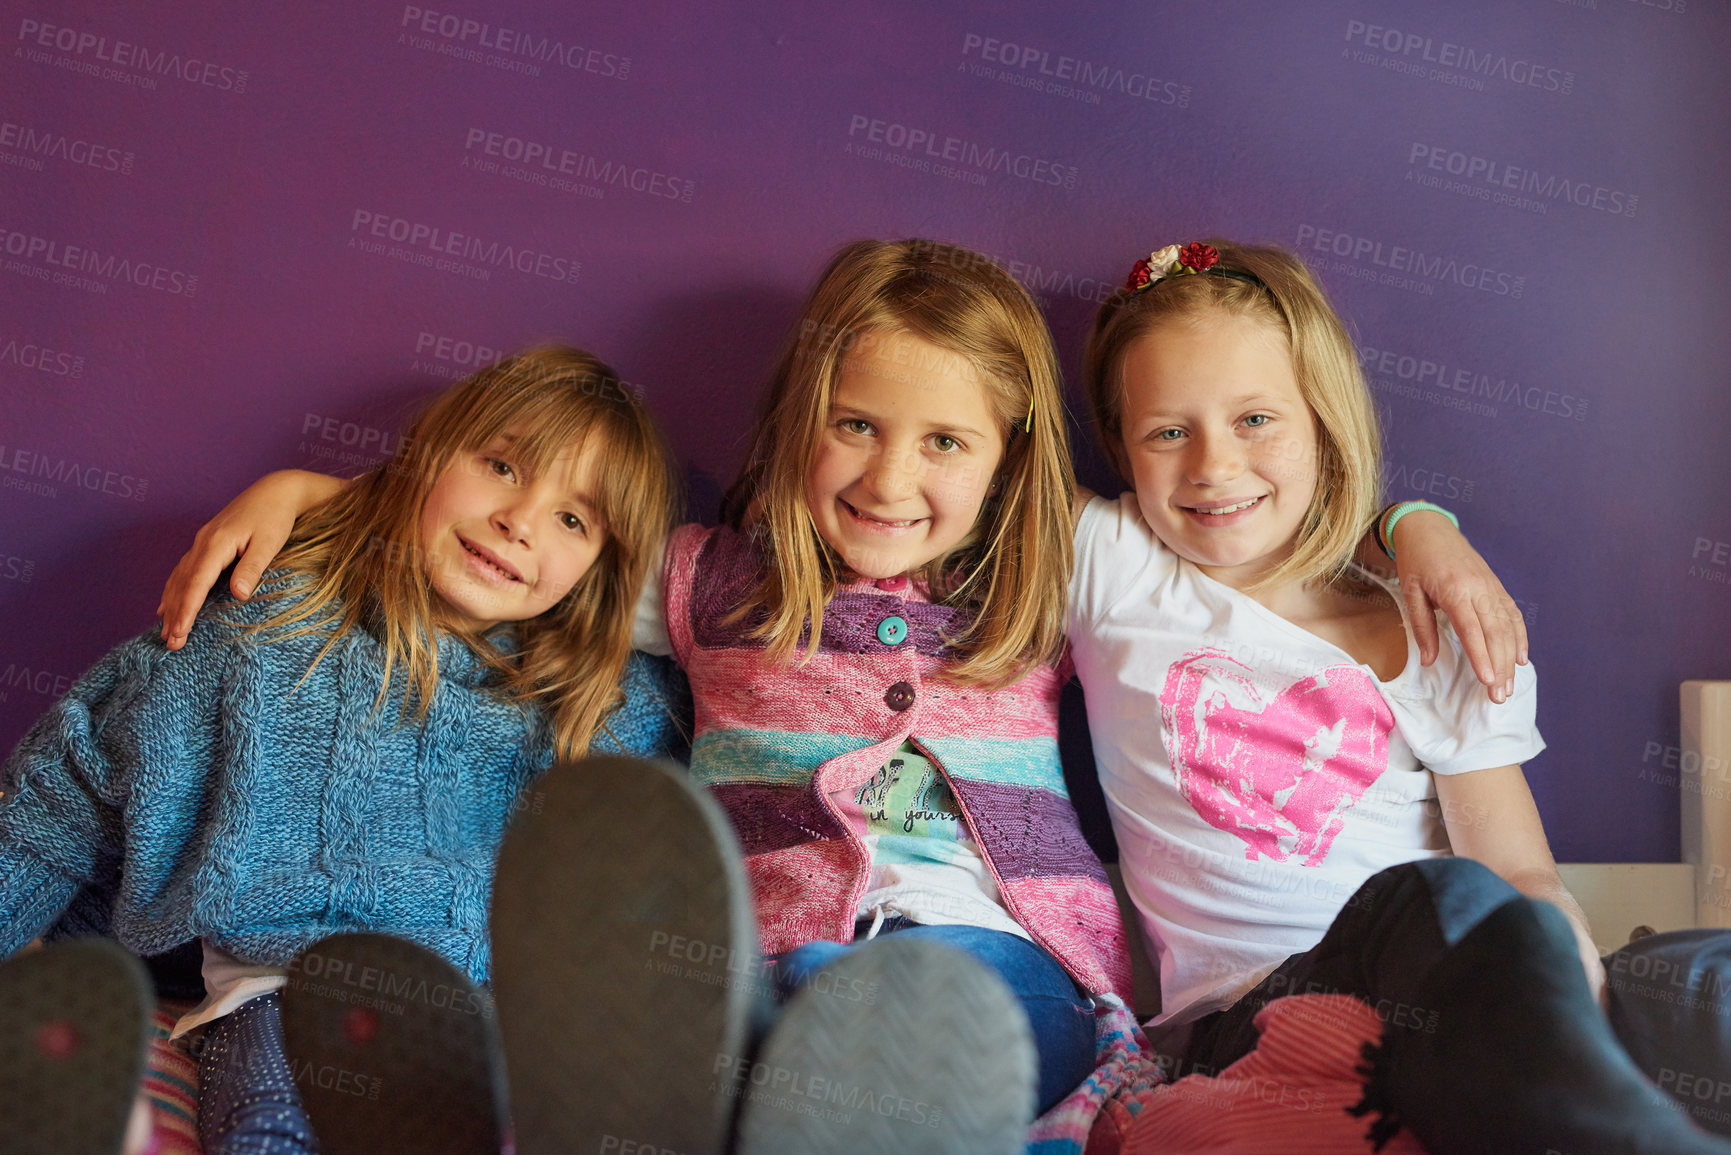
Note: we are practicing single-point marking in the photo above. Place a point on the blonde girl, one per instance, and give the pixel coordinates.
(1299, 801)
(342, 752)
(872, 641)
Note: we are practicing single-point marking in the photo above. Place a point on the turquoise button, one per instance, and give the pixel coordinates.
(892, 631)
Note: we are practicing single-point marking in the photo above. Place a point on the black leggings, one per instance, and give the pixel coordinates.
(1378, 949)
(1491, 1041)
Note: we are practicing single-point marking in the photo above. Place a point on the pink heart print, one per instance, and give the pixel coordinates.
(1280, 775)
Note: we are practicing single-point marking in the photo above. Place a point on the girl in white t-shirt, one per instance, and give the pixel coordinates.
(1273, 751)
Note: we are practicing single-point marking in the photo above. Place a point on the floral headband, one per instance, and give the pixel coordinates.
(1174, 260)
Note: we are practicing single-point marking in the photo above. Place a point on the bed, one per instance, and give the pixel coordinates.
(1621, 898)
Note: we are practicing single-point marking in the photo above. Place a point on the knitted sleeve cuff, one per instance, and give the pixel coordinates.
(33, 895)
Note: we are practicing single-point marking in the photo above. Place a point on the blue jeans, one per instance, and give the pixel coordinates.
(1062, 1016)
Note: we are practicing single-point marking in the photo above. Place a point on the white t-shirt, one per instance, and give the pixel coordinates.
(1257, 774)
(228, 982)
(649, 619)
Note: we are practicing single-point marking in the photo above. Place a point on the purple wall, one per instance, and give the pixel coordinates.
(236, 238)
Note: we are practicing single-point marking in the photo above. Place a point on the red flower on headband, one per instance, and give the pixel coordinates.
(1140, 275)
(1197, 256)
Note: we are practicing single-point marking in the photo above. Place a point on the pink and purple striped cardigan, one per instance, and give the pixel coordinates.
(774, 742)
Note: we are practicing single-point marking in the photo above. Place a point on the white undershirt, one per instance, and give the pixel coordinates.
(649, 621)
(228, 982)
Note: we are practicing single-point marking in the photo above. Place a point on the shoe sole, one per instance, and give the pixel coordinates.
(392, 1049)
(74, 1034)
(900, 1047)
(625, 961)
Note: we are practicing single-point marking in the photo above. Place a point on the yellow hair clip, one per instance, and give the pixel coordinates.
(1028, 427)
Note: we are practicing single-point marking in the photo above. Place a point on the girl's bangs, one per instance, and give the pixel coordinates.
(560, 420)
(547, 421)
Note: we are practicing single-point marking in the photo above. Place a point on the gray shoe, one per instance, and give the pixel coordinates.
(899, 1047)
(74, 1031)
(392, 1049)
(625, 961)
(1670, 1005)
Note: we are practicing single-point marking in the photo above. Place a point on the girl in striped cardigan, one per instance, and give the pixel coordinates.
(874, 638)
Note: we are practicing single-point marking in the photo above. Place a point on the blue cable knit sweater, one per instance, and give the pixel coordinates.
(203, 794)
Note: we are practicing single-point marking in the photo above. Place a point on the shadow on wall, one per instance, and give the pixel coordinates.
(704, 361)
(90, 598)
(347, 442)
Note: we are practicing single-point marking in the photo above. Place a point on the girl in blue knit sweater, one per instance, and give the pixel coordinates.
(342, 751)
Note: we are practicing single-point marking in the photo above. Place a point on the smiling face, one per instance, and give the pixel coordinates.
(1219, 441)
(503, 546)
(906, 457)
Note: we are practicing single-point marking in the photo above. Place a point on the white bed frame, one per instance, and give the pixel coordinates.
(1621, 896)
(1675, 895)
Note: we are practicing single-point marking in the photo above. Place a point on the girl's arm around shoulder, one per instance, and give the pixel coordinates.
(1491, 817)
(1440, 570)
(253, 529)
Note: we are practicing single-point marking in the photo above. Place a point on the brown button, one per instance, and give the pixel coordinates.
(899, 697)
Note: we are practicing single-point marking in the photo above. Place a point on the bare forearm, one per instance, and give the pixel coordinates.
(1547, 885)
(1491, 816)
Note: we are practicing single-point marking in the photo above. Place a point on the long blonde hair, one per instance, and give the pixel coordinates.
(1012, 572)
(1288, 299)
(362, 567)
